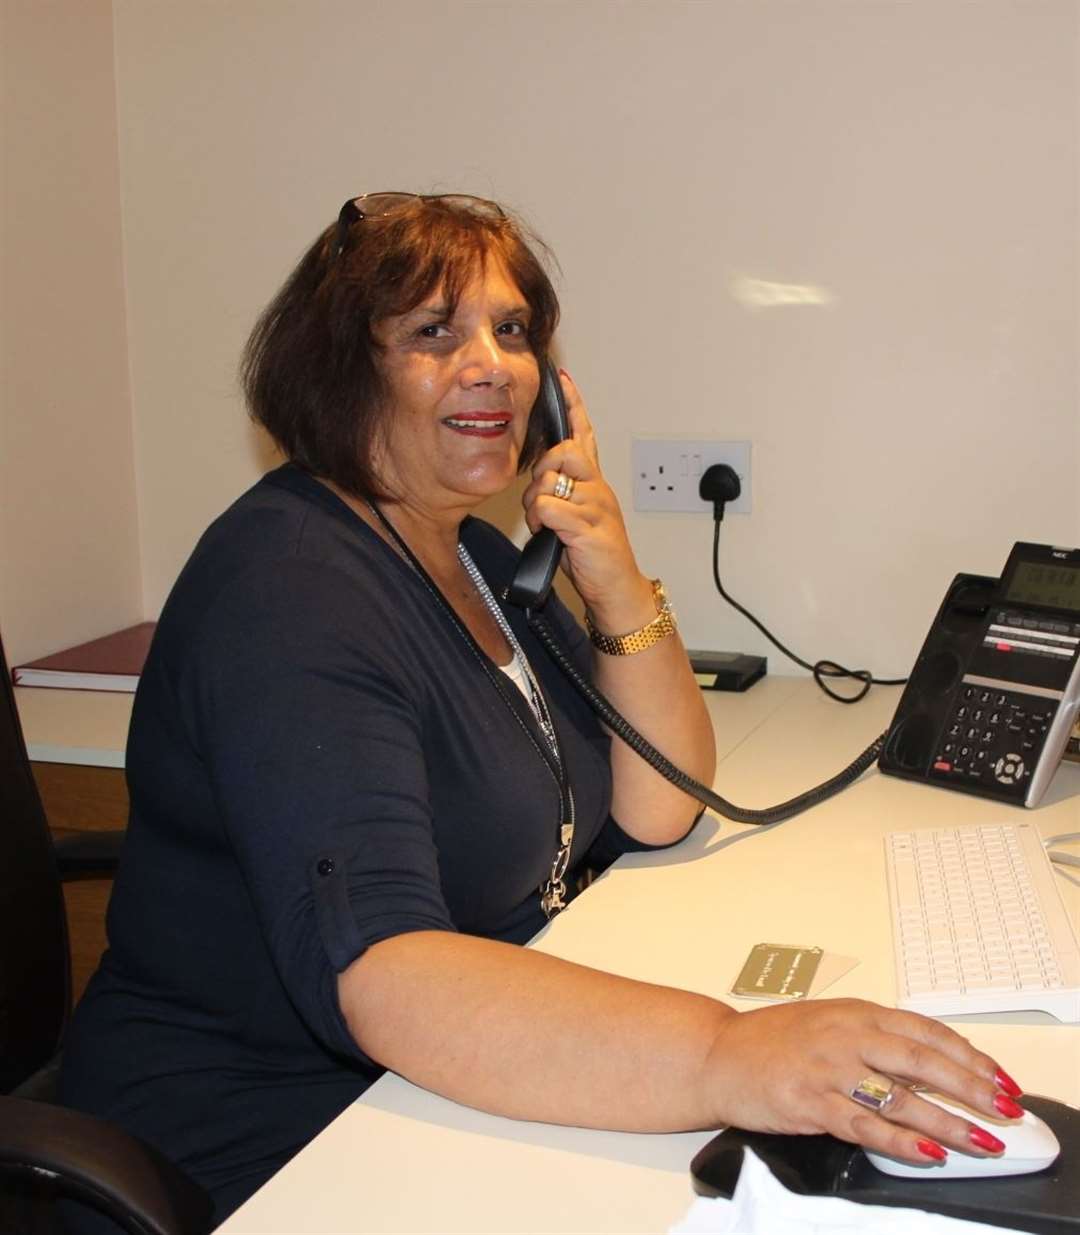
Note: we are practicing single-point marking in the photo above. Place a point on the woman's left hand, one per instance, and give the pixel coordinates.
(589, 522)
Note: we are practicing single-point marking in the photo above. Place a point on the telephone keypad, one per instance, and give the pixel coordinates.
(993, 735)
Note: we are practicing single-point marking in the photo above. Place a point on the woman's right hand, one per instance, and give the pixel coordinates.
(501, 1028)
(792, 1067)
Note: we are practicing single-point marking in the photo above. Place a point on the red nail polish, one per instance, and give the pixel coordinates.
(931, 1149)
(982, 1139)
(1004, 1081)
(1007, 1107)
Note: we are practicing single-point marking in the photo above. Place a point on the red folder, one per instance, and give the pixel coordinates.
(112, 662)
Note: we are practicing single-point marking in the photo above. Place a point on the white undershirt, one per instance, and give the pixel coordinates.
(516, 674)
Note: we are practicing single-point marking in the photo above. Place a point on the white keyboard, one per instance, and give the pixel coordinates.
(979, 924)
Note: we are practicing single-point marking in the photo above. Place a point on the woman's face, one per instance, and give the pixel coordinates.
(461, 389)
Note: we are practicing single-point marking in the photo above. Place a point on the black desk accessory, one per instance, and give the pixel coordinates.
(1047, 1202)
(726, 670)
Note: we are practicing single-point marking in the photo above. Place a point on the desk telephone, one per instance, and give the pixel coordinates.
(993, 696)
(989, 705)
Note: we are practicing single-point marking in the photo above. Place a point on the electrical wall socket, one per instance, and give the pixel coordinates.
(667, 474)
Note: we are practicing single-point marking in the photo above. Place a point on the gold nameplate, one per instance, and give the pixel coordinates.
(776, 971)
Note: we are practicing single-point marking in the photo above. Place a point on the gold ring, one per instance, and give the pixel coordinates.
(874, 1092)
(564, 486)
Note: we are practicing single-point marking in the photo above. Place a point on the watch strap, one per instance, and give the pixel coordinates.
(645, 636)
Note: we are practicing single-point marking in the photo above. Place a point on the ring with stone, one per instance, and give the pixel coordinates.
(877, 1093)
(564, 486)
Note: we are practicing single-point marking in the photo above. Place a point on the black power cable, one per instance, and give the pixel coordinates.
(720, 484)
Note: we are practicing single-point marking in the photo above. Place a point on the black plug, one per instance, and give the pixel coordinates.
(719, 484)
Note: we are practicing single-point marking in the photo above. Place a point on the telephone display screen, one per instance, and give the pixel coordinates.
(1040, 583)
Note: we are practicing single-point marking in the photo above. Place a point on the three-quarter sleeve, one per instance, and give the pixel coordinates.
(311, 733)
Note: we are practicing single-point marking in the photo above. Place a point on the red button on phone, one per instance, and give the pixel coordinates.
(942, 766)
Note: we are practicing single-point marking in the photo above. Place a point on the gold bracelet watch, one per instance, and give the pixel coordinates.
(637, 640)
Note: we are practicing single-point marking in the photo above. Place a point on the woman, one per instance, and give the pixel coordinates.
(357, 781)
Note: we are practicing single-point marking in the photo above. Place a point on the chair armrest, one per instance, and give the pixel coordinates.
(85, 855)
(94, 1162)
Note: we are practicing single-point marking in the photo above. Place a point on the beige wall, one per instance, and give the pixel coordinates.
(69, 553)
(915, 162)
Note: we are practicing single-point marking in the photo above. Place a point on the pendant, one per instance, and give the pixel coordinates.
(553, 893)
(553, 898)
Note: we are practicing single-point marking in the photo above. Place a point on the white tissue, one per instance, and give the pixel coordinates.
(763, 1205)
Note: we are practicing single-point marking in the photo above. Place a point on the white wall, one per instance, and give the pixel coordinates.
(916, 161)
(69, 552)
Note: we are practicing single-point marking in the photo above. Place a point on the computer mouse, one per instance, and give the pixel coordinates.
(1030, 1145)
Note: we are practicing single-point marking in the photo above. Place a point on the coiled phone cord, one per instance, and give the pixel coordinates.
(624, 730)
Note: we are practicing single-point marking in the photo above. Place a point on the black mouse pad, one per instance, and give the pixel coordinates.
(1047, 1202)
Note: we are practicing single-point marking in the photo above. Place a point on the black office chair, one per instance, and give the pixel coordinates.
(46, 1151)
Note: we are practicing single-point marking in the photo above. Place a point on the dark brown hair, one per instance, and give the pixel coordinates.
(311, 370)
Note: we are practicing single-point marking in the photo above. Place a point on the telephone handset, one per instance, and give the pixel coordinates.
(540, 556)
(994, 693)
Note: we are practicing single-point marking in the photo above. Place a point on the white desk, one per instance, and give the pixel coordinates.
(401, 1159)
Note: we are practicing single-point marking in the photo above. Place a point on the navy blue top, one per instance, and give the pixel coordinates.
(318, 760)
